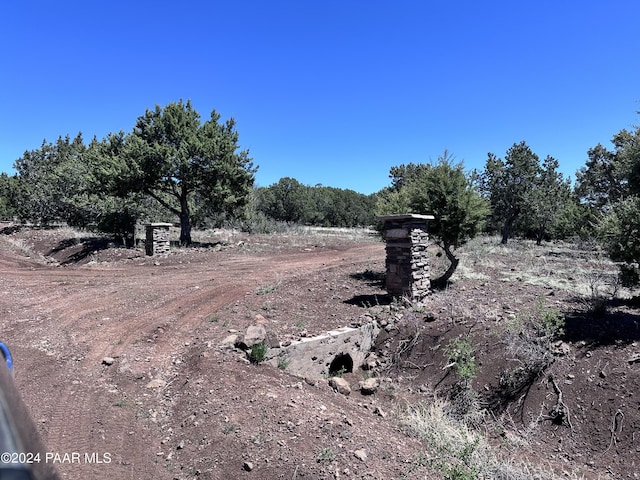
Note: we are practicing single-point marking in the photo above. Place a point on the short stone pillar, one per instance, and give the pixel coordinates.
(407, 262)
(157, 241)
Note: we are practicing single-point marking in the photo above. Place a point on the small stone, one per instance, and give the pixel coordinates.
(380, 412)
(248, 466)
(108, 360)
(156, 383)
(340, 385)
(370, 362)
(229, 341)
(180, 445)
(369, 386)
(361, 454)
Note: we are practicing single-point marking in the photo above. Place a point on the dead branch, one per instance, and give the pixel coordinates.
(559, 414)
(616, 427)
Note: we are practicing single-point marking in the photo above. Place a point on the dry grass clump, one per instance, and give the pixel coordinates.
(462, 453)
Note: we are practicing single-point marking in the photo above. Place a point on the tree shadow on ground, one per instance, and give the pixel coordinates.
(11, 229)
(80, 248)
(371, 278)
(617, 323)
(367, 301)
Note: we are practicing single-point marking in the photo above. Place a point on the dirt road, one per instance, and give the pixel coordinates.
(147, 314)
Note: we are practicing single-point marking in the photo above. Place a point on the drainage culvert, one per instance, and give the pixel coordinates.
(339, 351)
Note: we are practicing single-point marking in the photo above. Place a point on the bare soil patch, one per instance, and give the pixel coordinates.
(175, 404)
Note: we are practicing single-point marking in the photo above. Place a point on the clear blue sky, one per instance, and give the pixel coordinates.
(332, 92)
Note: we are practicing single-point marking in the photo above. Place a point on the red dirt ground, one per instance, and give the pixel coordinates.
(65, 304)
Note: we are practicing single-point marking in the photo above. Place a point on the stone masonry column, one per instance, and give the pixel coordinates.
(157, 240)
(407, 261)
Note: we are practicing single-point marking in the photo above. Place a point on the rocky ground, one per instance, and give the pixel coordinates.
(124, 356)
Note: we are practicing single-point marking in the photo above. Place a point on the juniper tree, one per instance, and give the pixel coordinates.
(446, 192)
(175, 159)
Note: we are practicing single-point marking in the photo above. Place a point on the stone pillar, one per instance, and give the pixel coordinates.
(407, 262)
(157, 241)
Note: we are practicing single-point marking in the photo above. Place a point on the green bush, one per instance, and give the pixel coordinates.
(258, 353)
(460, 354)
(619, 234)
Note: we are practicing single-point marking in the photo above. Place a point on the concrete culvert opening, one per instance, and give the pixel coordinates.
(342, 363)
(338, 351)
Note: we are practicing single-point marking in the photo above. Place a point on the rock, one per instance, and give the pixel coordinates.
(248, 466)
(108, 360)
(561, 348)
(229, 341)
(156, 383)
(340, 385)
(259, 320)
(370, 362)
(272, 340)
(369, 386)
(361, 454)
(255, 334)
(635, 358)
(378, 411)
(180, 445)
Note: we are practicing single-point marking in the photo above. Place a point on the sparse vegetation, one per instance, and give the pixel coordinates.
(461, 452)
(460, 356)
(326, 454)
(266, 289)
(283, 363)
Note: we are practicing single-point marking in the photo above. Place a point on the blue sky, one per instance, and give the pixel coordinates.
(331, 92)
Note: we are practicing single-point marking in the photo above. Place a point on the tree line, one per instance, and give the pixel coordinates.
(174, 166)
(522, 195)
(290, 201)
(170, 166)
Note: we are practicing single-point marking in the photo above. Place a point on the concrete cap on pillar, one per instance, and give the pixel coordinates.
(405, 216)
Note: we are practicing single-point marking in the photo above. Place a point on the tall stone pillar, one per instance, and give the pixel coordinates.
(157, 240)
(407, 262)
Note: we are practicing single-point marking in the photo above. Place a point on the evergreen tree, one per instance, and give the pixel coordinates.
(610, 185)
(7, 196)
(175, 159)
(444, 191)
(52, 183)
(508, 184)
(550, 193)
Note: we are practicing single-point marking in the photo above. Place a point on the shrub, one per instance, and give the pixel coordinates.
(460, 355)
(530, 338)
(464, 404)
(619, 235)
(258, 353)
(461, 453)
(283, 363)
